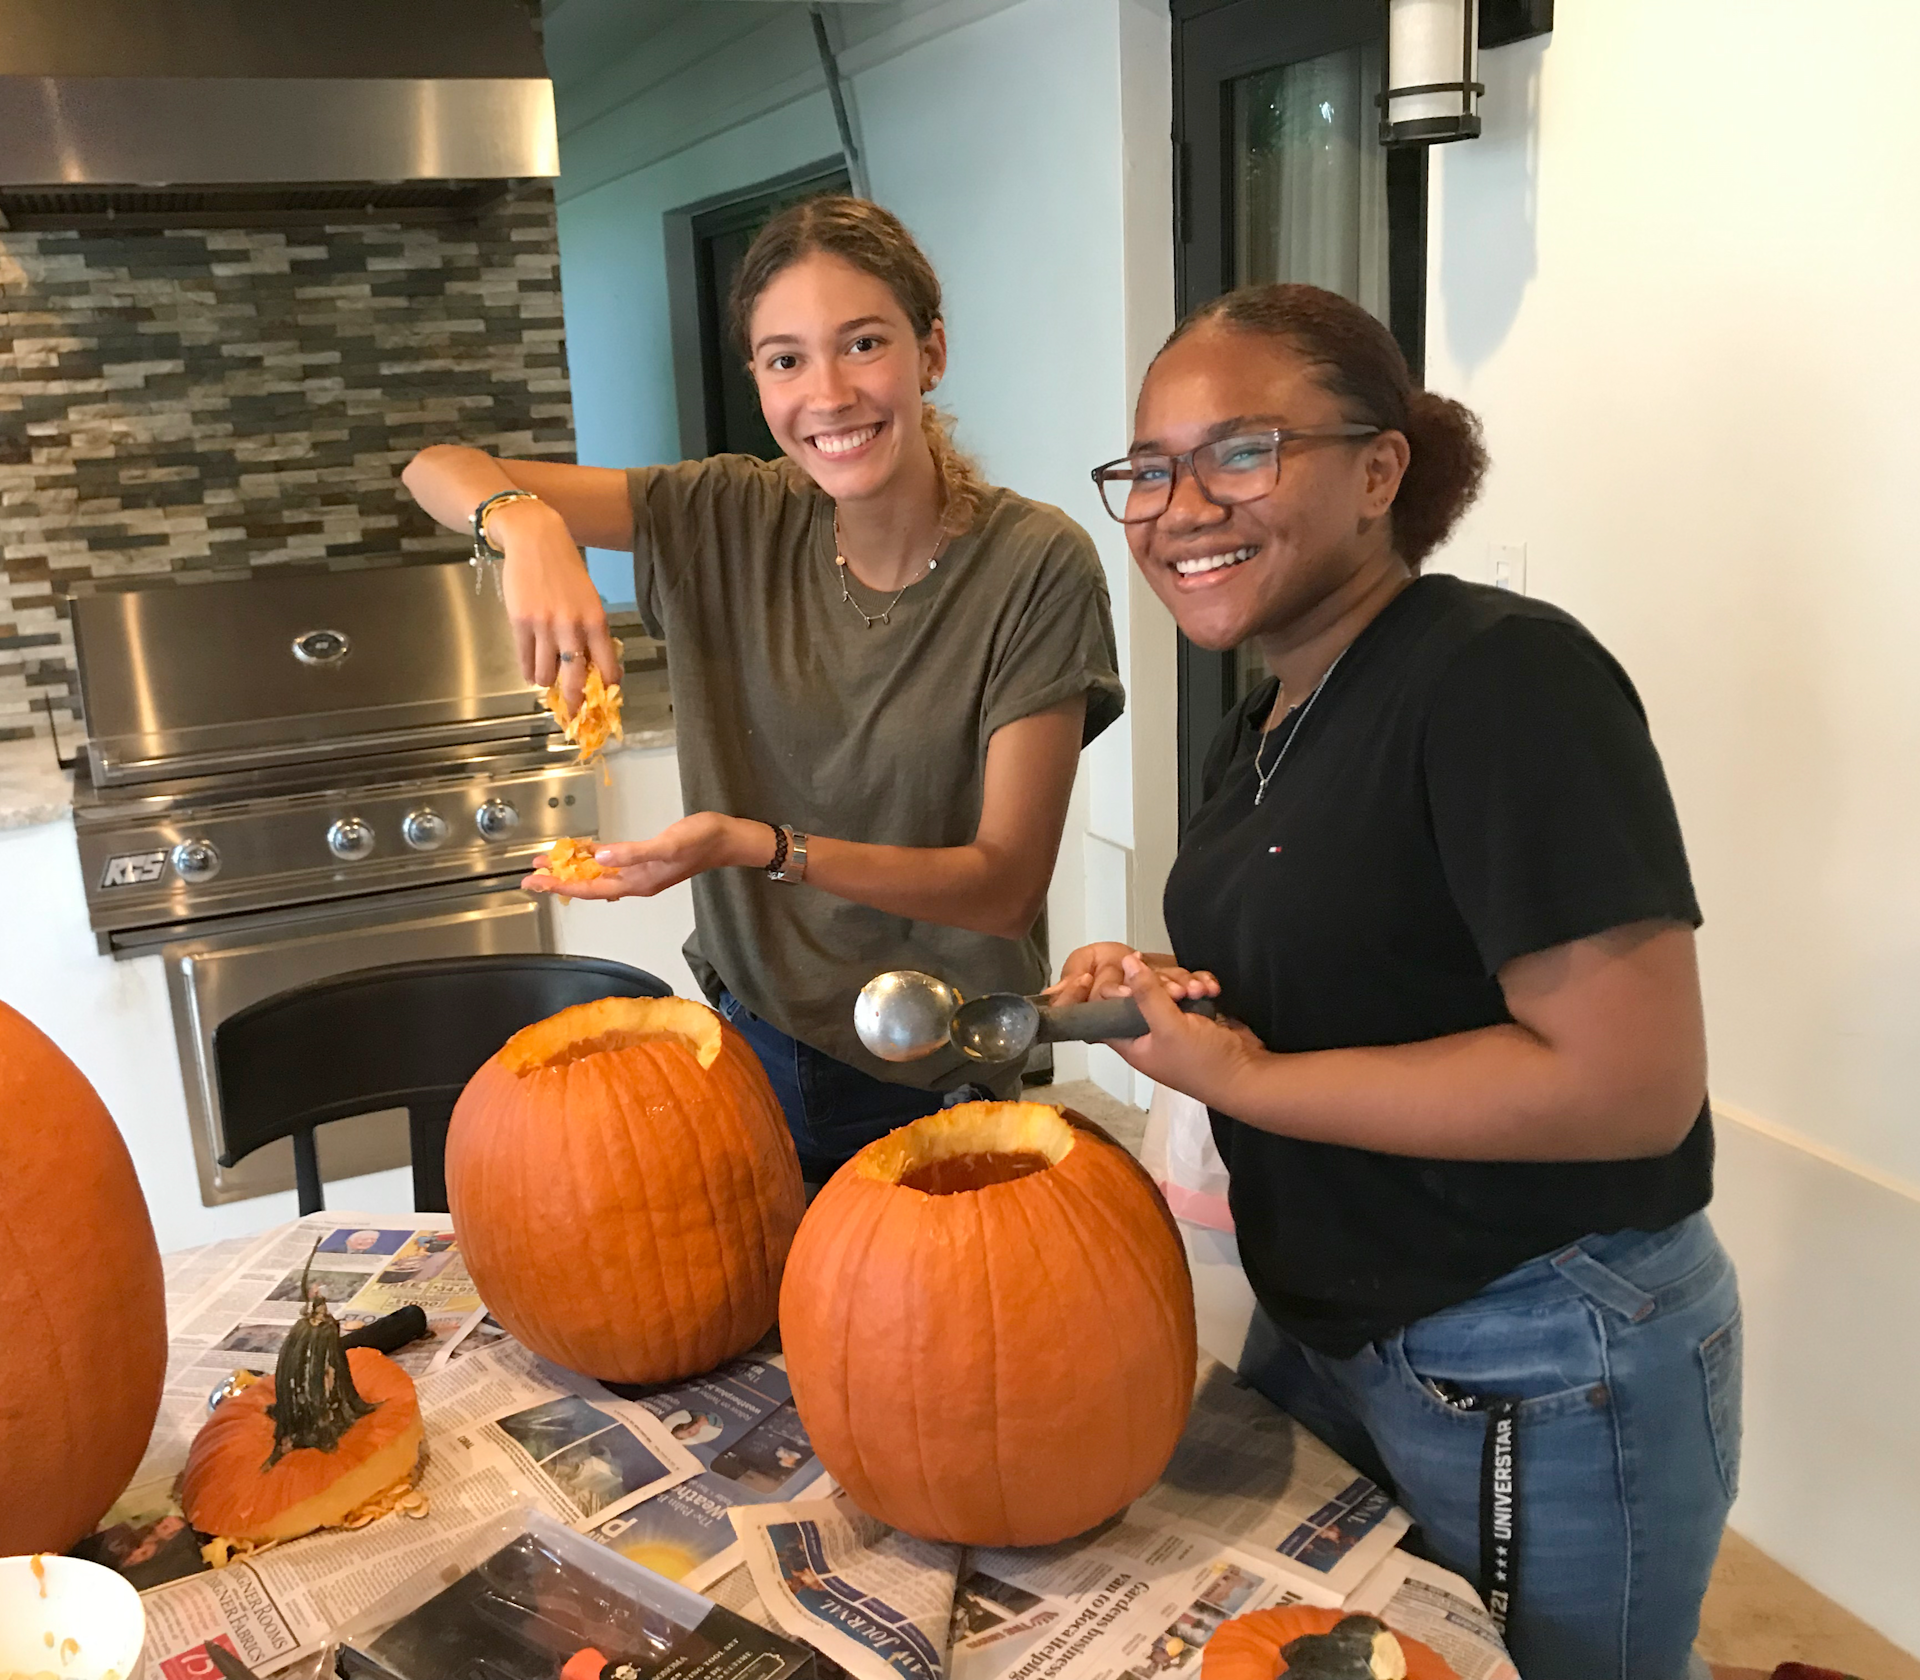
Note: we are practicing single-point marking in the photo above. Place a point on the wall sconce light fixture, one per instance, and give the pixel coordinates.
(1428, 93)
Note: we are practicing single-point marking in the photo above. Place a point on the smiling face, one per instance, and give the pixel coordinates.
(841, 374)
(1259, 568)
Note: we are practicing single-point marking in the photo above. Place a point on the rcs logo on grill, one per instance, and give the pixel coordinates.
(133, 869)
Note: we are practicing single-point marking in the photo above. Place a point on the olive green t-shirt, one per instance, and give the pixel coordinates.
(788, 709)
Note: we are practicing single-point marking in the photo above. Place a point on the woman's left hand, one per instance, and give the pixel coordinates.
(640, 868)
(1203, 1057)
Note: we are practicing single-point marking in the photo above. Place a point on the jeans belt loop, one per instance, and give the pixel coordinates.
(1601, 1284)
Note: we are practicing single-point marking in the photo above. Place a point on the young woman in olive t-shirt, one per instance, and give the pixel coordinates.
(883, 672)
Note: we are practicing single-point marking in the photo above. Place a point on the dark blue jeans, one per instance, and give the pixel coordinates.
(833, 1110)
(1624, 1353)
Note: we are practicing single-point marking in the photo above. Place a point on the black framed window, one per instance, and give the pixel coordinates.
(719, 410)
(1281, 176)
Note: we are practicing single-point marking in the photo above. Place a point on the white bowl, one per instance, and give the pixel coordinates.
(94, 1617)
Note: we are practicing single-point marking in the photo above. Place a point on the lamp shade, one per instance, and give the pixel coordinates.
(1428, 93)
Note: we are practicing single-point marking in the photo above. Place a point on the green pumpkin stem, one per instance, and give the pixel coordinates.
(314, 1400)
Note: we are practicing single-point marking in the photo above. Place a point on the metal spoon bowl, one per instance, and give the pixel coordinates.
(1001, 1027)
(905, 1015)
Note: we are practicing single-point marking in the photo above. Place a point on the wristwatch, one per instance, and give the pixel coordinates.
(789, 862)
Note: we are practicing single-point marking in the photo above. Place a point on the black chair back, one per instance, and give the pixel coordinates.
(409, 1036)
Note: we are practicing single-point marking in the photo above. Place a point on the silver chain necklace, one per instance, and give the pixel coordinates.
(885, 614)
(1293, 734)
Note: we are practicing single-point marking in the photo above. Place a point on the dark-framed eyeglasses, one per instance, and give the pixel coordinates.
(1137, 488)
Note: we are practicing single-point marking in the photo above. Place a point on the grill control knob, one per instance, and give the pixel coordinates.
(350, 838)
(496, 820)
(424, 830)
(196, 860)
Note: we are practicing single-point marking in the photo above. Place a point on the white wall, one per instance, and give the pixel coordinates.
(1025, 146)
(1677, 278)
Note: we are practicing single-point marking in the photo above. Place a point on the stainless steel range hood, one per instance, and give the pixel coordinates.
(170, 111)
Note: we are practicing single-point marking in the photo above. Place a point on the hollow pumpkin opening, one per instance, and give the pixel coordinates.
(970, 1147)
(591, 1029)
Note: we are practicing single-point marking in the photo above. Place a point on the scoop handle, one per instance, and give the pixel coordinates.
(387, 1335)
(1093, 1023)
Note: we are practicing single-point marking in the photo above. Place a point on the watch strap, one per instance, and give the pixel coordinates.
(483, 545)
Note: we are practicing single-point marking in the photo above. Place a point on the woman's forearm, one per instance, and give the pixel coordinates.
(1495, 1094)
(958, 886)
(450, 480)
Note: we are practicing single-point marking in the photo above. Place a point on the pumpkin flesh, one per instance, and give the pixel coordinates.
(988, 1325)
(625, 1189)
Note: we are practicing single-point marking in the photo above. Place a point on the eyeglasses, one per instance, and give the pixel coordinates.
(1137, 488)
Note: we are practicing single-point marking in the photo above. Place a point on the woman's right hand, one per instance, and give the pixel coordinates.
(551, 599)
(1094, 971)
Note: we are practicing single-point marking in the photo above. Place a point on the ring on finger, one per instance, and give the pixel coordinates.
(568, 658)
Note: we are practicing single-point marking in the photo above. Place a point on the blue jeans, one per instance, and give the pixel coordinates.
(833, 1110)
(1624, 1352)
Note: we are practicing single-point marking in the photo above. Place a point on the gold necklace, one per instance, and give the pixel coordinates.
(885, 614)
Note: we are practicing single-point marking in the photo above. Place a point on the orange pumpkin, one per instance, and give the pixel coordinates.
(625, 1189)
(331, 1430)
(83, 1321)
(1253, 1646)
(988, 1323)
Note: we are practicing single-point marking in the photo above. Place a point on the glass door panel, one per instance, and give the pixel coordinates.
(1308, 178)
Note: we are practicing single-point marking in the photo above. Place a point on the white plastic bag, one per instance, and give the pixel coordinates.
(1179, 1154)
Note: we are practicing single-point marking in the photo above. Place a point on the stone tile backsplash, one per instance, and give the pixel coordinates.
(193, 403)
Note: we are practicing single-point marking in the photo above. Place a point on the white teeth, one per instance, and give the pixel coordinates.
(1213, 562)
(840, 443)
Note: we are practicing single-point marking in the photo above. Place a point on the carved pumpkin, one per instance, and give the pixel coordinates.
(625, 1189)
(80, 1283)
(988, 1324)
(1312, 1644)
(329, 1433)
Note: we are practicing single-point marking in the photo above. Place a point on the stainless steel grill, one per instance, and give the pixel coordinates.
(290, 777)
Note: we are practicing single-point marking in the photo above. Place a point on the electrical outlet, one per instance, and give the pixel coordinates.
(1509, 566)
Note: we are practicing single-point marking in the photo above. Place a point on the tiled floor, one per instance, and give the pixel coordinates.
(1757, 1613)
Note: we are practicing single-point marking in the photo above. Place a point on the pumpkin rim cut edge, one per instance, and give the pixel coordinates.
(613, 1024)
(975, 1128)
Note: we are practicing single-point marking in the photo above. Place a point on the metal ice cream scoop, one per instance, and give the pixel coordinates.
(904, 1015)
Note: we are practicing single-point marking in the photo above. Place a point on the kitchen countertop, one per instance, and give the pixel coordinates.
(33, 788)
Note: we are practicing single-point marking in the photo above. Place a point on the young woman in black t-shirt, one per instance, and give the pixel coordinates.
(1437, 882)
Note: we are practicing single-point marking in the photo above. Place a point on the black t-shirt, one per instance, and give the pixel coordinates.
(1475, 782)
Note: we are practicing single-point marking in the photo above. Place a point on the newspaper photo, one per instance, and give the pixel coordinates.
(1250, 1474)
(740, 1423)
(1131, 1600)
(503, 1429)
(868, 1597)
(229, 1307)
(1425, 1602)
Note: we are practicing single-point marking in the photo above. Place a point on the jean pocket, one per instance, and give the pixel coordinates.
(1551, 1364)
(1720, 1366)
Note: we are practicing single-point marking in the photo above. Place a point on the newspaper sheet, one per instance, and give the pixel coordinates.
(1135, 1600)
(1247, 1472)
(869, 1598)
(740, 1423)
(1427, 1603)
(503, 1429)
(229, 1306)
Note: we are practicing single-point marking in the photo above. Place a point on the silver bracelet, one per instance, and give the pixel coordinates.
(790, 862)
(485, 554)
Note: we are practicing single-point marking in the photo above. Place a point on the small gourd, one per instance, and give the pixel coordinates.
(332, 1431)
(1299, 1642)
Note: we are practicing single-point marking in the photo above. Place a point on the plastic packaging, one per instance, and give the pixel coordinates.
(1179, 1154)
(527, 1599)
